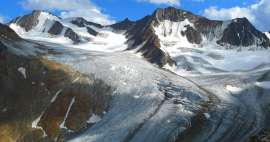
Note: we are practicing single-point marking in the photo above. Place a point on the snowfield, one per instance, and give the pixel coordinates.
(209, 57)
(264, 84)
(211, 94)
(148, 100)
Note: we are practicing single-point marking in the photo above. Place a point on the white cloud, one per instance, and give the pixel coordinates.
(257, 13)
(168, 2)
(2, 19)
(71, 8)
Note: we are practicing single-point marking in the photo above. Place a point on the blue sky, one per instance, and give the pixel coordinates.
(106, 11)
(135, 10)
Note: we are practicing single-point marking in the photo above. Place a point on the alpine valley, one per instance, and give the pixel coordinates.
(171, 76)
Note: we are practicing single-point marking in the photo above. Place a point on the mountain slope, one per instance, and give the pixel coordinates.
(55, 92)
(40, 22)
(42, 100)
(157, 33)
(156, 36)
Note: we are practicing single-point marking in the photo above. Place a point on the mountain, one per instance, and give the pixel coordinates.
(170, 76)
(170, 27)
(40, 23)
(123, 25)
(153, 36)
(37, 93)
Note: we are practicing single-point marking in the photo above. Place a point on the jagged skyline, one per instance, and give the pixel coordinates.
(109, 11)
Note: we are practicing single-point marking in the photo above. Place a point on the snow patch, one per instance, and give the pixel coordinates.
(264, 84)
(62, 125)
(170, 33)
(22, 70)
(206, 115)
(267, 34)
(4, 110)
(35, 123)
(94, 119)
(56, 95)
(233, 89)
(42, 84)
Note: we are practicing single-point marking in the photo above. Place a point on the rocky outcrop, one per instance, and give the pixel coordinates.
(240, 32)
(91, 31)
(72, 35)
(8, 33)
(58, 28)
(42, 100)
(123, 25)
(263, 136)
(28, 21)
(193, 36)
(51, 25)
(142, 36)
(81, 22)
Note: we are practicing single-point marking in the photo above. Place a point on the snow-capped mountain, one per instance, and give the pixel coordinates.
(171, 27)
(37, 93)
(154, 36)
(78, 81)
(44, 24)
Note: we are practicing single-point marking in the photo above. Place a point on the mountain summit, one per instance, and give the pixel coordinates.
(170, 27)
(153, 36)
(170, 76)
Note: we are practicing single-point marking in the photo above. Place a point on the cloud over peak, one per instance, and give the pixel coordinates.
(2, 19)
(71, 8)
(167, 2)
(257, 13)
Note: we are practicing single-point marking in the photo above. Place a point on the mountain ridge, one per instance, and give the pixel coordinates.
(81, 92)
(149, 35)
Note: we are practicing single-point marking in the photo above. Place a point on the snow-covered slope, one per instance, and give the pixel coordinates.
(34, 24)
(161, 35)
(267, 34)
(84, 34)
(176, 39)
(53, 92)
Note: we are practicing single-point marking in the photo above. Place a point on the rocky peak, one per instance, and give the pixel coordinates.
(240, 32)
(29, 21)
(81, 22)
(7, 33)
(123, 25)
(173, 14)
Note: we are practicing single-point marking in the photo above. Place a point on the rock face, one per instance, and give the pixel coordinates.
(237, 32)
(193, 36)
(7, 33)
(28, 21)
(43, 22)
(123, 25)
(44, 98)
(58, 28)
(91, 31)
(142, 35)
(72, 35)
(81, 22)
(240, 32)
